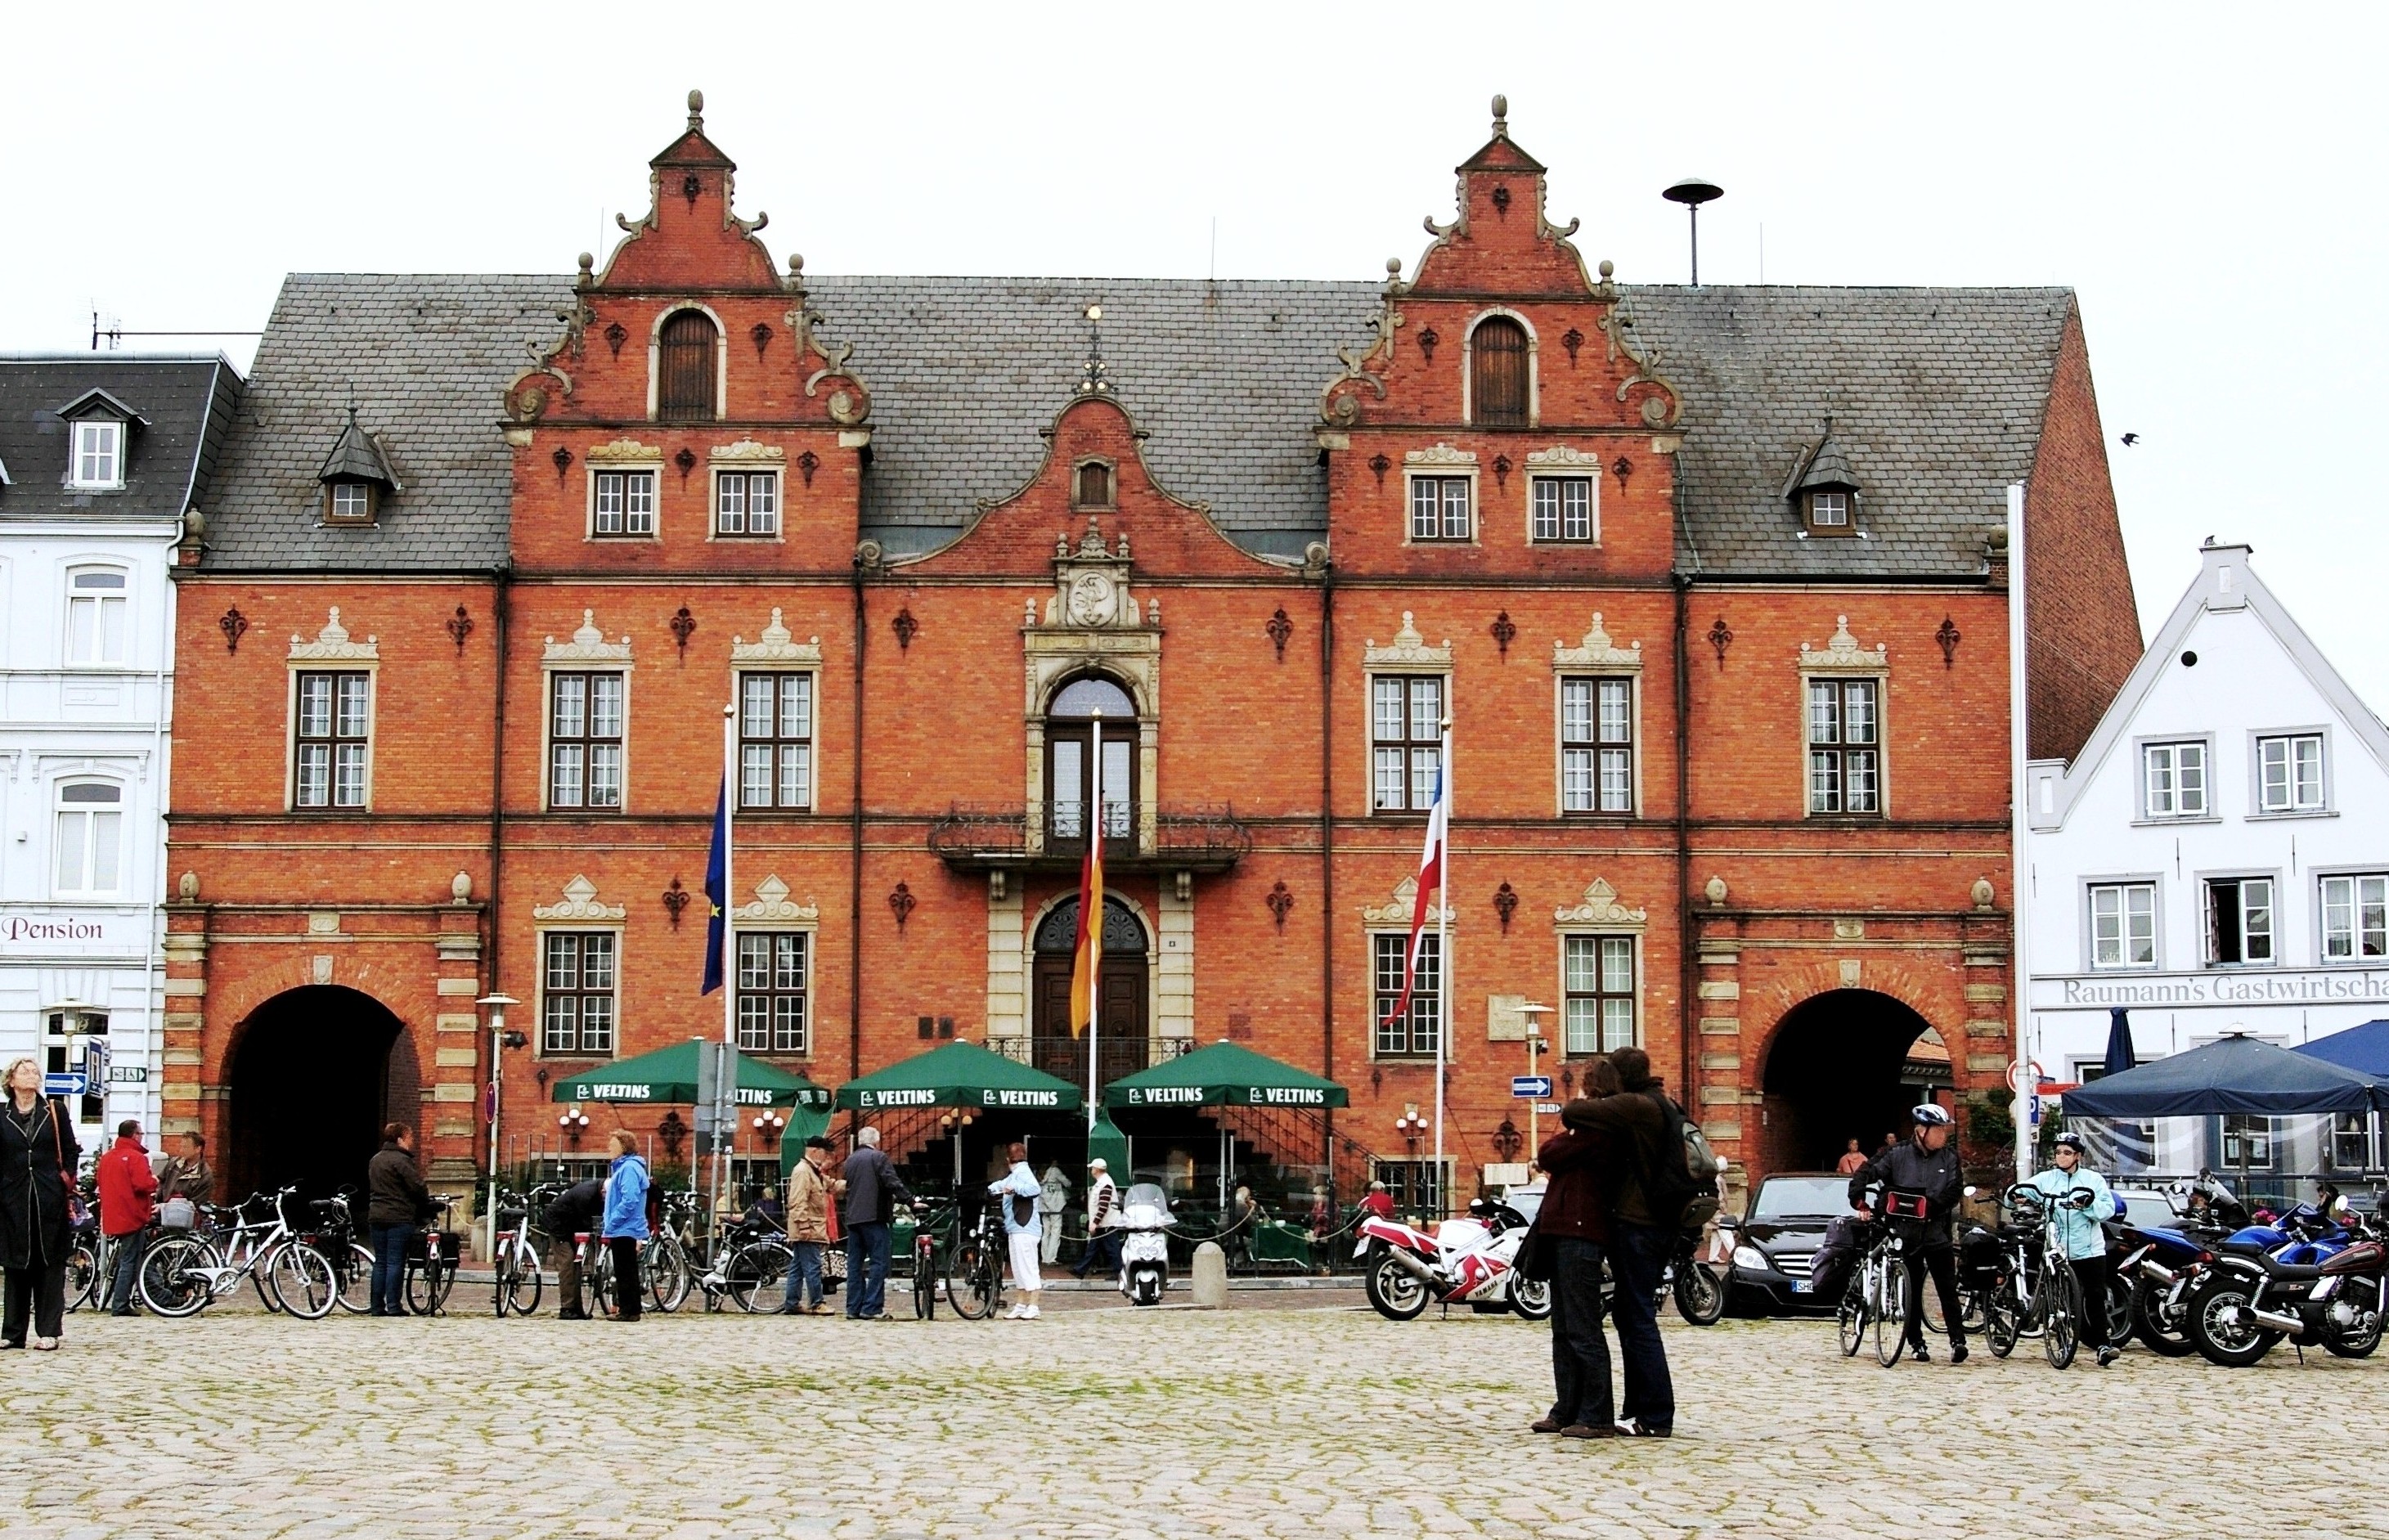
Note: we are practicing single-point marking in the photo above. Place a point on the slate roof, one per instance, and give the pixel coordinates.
(186, 402)
(1936, 396)
(355, 457)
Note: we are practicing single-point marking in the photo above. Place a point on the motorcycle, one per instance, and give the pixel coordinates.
(1698, 1286)
(1144, 1249)
(1470, 1261)
(2310, 1278)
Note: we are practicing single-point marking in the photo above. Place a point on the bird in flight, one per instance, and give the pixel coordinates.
(2130, 439)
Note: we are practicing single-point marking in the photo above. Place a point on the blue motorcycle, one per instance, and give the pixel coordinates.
(2311, 1277)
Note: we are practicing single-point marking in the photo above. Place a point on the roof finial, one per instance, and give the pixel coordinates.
(588, 271)
(1501, 117)
(1095, 379)
(696, 112)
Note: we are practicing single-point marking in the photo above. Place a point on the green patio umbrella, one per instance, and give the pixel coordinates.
(1224, 1074)
(668, 1077)
(1105, 1139)
(803, 1123)
(959, 1074)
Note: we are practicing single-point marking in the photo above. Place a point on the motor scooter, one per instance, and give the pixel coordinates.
(1144, 1247)
(1470, 1261)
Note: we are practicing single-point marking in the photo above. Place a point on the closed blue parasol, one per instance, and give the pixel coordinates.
(2119, 1040)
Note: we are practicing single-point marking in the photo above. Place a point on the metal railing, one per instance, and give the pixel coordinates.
(1209, 838)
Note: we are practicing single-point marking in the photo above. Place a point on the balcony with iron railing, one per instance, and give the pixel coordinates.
(1207, 839)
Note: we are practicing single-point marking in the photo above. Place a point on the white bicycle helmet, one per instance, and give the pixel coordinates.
(1930, 1115)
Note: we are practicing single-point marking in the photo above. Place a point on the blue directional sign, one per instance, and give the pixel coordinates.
(1530, 1088)
(70, 1084)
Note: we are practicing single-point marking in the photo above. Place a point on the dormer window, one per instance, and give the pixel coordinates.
(355, 476)
(1093, 488)
(1825, 489)
(98, 460)
(348, 503)
(1829, 513)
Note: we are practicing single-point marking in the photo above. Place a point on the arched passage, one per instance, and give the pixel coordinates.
(1846, 1064)
(315, 1072)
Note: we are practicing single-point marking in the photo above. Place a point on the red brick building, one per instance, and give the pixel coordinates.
(1708, 583)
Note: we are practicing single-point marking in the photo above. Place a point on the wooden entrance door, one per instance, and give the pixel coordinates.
(1122, 989)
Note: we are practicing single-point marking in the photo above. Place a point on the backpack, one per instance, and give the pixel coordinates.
(1684, 1184)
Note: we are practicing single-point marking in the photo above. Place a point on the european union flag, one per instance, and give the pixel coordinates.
(716, 889)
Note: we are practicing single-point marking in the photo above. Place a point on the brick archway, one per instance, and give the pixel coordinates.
(1832, 1071)
(311, 1076)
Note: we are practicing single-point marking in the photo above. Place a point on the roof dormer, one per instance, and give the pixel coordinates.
(1824, 490)
(99, 428)
(355, 476)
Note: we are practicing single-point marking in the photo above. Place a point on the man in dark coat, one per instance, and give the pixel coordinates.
(873, 1191)
(1574, 1222)
(396, 1201)
(573, 1212)
(38, 1154)
(1636, 1122)
(1922, 1170)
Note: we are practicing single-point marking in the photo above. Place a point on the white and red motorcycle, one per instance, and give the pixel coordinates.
(1464, 1261)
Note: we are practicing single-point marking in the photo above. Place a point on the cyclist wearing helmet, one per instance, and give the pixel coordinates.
(2085, 1239)
(1918, 1184)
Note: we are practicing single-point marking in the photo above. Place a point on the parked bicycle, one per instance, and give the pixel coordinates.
(931, 1222)
(515, 1276)
(2037, 1294)
(975, 1270)
(335, 1235)
(431, 1261)
(1877, 1297)
(181, 1274)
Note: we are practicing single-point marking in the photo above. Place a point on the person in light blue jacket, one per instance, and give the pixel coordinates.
(626, 1221)
(2084, 1238)
(1018, 1192)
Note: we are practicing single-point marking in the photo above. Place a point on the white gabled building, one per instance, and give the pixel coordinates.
(102, 456)
(2217, 859)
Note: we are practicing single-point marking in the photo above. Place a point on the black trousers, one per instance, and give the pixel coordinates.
(627, 1288)
(1942, 1262)
(2096, 1274)
(43, 1286)
(1580, 1348)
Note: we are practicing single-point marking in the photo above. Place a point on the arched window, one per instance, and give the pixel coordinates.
(1497, 373)
(90, 838)
(96, 615)
(1083, 705)
(685, 367)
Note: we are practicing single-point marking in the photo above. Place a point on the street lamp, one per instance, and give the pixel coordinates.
(1537, 1046)
(500, 1039)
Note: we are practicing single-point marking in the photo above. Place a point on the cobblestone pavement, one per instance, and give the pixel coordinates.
(1295, 1417)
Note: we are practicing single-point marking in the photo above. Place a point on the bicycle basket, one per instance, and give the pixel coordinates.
(178, 1213)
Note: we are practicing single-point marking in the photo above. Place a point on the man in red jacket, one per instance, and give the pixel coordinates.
(128, 1197)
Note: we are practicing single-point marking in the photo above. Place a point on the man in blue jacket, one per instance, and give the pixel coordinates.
(873, 1191)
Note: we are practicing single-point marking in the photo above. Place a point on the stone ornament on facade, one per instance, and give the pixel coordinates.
(1567, 457)
(1439, 456)
(775, 646)
(1982, 892)
(1601, 908)
(1091, 584)
(747, 451)
(1407, 650)
(1842, 653)
(460, 889)
(623, 451)
(588, 645)
(332, 646)
(1405, 905)
(771, 907)
(579, 903)
(1597, 650)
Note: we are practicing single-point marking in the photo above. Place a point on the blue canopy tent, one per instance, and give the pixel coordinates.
(2236, 1076)
(2363, 1048)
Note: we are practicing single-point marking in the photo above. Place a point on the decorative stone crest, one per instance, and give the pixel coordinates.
(1843, 655)
(771, 906)
(624, 452)
(588, 645)
(1564, 457)
(1601, 908)
(579, 903)
(1091, 583)
(1597, 651)
(775, 646)
(1441, 455)
(747, 452)
(332, 646)
(1405, 905)
(1407, 650)
(1715, 892)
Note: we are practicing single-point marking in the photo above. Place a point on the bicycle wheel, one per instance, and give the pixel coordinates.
(924, 1282)
(2061, 1301)
(1851, 1315)
(257, 1282)
(352, 1274)
(83, 1277)
(174, 1276)
(758, 1269)
(597, 1280)
(664, 1267)
(973, 1283)
(428, 1285)
(1891, 1317)
(301, 1280)
(520, 1283)
(2002, 1317)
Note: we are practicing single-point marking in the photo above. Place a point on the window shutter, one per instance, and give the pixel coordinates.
(685, 367)
(1498, 377)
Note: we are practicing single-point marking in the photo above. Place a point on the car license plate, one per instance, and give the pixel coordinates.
(1800, 1285)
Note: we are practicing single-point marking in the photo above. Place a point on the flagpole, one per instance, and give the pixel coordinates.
(1093, 926)
(726, 1097)
(1443, 967)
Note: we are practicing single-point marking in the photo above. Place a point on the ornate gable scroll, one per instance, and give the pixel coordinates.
(1405, 905)
(588, 645)
(623, 451)
(1562, 457)
(1843, 655)
(1601, 908)
(579, 903)
(1597, 651)
(332, 646)
(775, 646)
(771, 907)
(1407, 650)
(1441, 455)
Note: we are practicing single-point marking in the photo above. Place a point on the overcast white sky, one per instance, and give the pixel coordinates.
(2209, 179)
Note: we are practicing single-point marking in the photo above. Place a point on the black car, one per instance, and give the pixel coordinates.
(1775, 1240)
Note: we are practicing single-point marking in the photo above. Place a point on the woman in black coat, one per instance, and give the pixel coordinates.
(38, 1153)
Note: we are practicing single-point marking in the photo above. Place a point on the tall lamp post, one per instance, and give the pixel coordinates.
(1537, 1045)
(500, 1040)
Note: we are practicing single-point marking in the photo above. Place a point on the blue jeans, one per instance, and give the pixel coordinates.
(128, 1268)
(867, 1271)
(804, 1280)
(1580, 1347)
(390, 1268)
(1638, 1255)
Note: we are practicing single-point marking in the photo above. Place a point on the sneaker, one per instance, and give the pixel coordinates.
(1958, 1353)
(46, 1345)
(2108, 1355)
(1012, 1314)
(1918, 1352)
(1631, 1428)
(1030, 1313)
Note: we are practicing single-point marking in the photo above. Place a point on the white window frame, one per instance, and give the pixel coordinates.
(291, 739)
(1443, 1019)
(2288, 742)
(545, 932)
(2123, 887)
(547, 740)
(747, 475)
(767, 931)
(1444, 476)
(99, 601)
(1600, 993)
(1841, 746)
(88, 815)
(1596, 746)
(813, 740)
(654, 531)
(2209, 947)
(2354, 901)
(1369, 727)
(2170, 751)
(114, 430)
(1590, 480)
